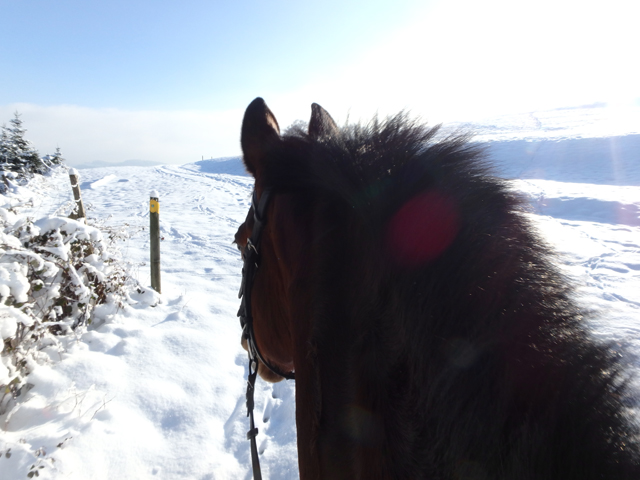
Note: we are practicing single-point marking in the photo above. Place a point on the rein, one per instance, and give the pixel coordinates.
(249, 270)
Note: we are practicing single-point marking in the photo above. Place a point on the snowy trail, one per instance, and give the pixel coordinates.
(157, 390)
(203, 373)
(163, 386)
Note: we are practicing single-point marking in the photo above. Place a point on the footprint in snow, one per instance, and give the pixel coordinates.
(268, 408)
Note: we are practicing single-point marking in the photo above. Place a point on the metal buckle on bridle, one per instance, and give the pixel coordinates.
(253, 251)
(249, 269)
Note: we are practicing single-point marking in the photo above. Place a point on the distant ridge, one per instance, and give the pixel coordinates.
(126, 163)
(228, 165)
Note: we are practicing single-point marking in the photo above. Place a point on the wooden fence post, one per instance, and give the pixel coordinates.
(78, 211)
(154, 230)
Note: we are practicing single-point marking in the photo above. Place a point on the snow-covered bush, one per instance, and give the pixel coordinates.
(53, 273)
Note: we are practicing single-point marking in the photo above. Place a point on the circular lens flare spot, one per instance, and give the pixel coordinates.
(422, 229)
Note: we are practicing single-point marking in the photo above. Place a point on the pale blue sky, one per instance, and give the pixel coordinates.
(168, 81)
(188, 54)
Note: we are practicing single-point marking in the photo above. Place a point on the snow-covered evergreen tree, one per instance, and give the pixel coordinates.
(16, 152)
(55, 159)
(4, 145)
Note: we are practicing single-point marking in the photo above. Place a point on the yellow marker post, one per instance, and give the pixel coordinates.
(154, 230)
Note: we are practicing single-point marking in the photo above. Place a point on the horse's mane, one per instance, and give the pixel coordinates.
(365, 156)
(366, 173)
(426, 332)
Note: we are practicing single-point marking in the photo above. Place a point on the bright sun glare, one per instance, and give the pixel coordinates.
(466, 59)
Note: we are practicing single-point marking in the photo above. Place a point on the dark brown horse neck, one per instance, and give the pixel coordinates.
(431, 335)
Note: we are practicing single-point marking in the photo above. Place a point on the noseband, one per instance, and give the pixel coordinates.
(249, 270)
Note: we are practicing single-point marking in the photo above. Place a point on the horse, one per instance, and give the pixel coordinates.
(430, 331)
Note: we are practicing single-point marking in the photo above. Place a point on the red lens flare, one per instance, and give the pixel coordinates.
(422, 229)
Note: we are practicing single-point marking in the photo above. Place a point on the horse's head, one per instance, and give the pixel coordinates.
(276, 301)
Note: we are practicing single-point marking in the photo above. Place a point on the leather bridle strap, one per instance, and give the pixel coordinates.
(253, 431)
(249, 269)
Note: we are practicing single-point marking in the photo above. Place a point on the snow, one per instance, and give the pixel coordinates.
(156, 389)
(13, 282)
(100, 183)
(8, 325)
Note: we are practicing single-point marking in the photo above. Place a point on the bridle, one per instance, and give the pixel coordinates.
(249, 269)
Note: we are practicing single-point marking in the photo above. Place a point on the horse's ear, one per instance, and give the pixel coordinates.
(321, 124)
(260, 130)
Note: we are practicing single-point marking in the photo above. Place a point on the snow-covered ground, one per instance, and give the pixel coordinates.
(156, 390)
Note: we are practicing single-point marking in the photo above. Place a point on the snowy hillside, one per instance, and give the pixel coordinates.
(156, 390)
